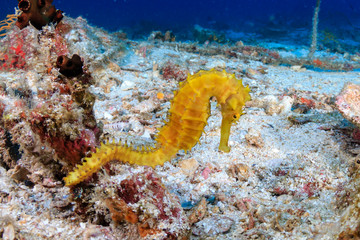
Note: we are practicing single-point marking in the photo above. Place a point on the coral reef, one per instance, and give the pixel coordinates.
(37, 12)
(76, 131)
(270, 56)
(47, 123)
(188, 116)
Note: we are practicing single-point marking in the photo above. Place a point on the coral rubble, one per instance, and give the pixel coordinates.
(143, 200)
(157, 35)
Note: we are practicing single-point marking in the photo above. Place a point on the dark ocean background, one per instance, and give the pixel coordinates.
(256, 20)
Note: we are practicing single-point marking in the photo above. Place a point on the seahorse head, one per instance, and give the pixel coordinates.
(231, 110)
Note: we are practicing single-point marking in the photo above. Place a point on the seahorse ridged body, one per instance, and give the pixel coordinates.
(188, 116)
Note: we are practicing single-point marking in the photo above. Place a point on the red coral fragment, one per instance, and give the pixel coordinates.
(70, 137)
(65, 148)
(132, 190)
(356, 134)
(308, 102)
(60, 45)
(277, 191)
(128, 191)
(15, 57)
(120, 211)
(317, 62)
(310, 188)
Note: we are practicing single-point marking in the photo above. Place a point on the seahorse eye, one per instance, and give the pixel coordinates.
(235, 116)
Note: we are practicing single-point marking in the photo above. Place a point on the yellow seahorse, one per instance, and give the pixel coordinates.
(189, 112)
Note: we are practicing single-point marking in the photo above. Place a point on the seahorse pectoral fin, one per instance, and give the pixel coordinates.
(225, 133)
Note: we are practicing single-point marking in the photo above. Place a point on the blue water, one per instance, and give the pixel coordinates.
(271, 19)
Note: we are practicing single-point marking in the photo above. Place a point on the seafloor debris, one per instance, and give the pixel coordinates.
(157, 35)
(198, 213)
(273, 105)
(188, 166)
(348, 201)
(239, 171)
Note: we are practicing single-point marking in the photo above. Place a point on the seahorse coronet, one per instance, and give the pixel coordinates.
(188, 114)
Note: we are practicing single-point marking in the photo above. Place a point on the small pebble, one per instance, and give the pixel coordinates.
(198, 213)
(253, 137)
(285, 105)
(9, 232)
(213, 226)
(216, 64)
(240, 171)
(127, 85)
(146, 106)
(188, 166)
(272, 105)
(298, 68)
(19, 174)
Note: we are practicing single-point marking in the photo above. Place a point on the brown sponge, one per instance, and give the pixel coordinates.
(70, 67)
(37, 12)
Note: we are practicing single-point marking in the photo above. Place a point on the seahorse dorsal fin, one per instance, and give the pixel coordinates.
(232, 103)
